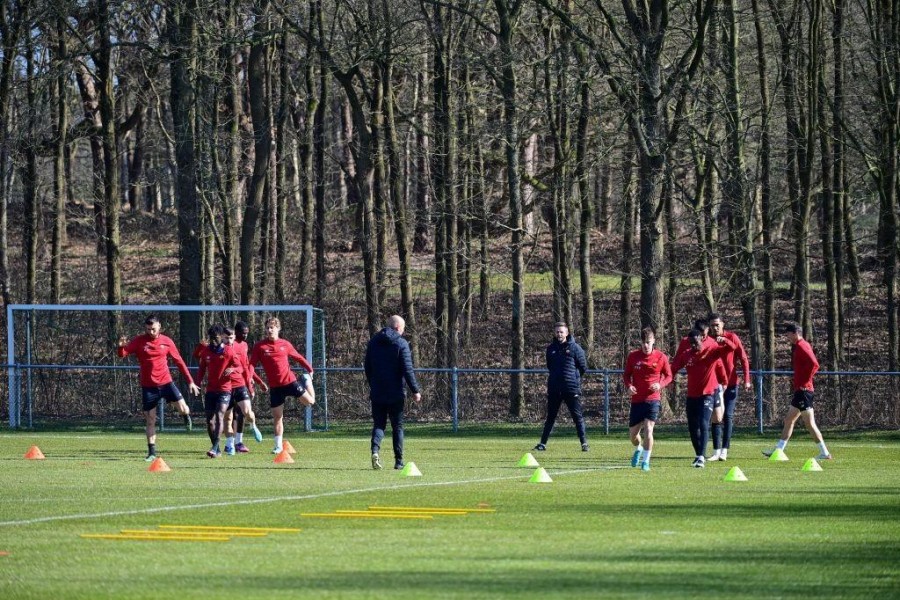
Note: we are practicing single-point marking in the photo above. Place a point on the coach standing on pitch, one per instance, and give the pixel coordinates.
(388, 366)
(566, 363)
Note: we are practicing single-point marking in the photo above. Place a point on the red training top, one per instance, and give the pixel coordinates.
(274, 357)
(728, 358)
(702, 372)
(805, 365)
(152, 356)
(242, 350)
(217, 363)
(641, 370)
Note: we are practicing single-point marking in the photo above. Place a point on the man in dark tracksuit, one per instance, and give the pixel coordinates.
(388, 365)
(566, 363)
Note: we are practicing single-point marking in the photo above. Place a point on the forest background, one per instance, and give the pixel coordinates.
(484, 168)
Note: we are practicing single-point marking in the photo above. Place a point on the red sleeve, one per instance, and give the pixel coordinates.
(201, 370)
(721, 374)
(179, 362)
(255, 355)
(292, 352)
(129, 348)
(813, 362)
(665, 374)
(745, 360)
(629, 370)
(679, 362)
(198, 350)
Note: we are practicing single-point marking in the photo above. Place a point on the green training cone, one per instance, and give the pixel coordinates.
(540, 475)
(811, 465)
(778, 456)
(528, 460)
(411, 470)
(735, 474)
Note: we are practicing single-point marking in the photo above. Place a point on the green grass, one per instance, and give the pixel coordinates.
(600, 529)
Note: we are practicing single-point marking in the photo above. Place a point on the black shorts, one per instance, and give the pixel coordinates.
(643, 411)
(278, 395)
(150, 396)
(239, 394)
(213, 400)
(803, 400)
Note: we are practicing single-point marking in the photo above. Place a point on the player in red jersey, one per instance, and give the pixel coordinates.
(241, 395)
(704, 370)
(274, 354)
(221, 365)
(723, 417)
(805, 366)
(153, 350)
(647, 371)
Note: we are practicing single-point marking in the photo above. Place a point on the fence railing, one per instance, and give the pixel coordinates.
(841, 388)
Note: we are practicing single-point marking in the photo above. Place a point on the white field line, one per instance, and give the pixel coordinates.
(162, 509)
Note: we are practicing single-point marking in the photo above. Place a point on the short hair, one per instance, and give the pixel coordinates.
(273, 321)
(694, 334)
(395, 321)
(714, 316)
(560, 324)
(214, 331)
(227, 330)
(793, 327)
(646, 332)
(151, 320)
(239, 325)
(700, 325)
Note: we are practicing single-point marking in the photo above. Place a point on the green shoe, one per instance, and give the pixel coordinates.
(150, 458)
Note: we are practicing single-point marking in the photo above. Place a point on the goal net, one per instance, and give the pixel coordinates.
(62, 365)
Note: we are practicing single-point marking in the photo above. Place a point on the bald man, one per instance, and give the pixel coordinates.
(388, 366)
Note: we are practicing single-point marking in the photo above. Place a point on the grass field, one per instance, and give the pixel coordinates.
(601, 529)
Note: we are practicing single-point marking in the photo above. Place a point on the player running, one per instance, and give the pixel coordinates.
(241, 395)
(647, 371)
(723, 417)
(274, 354)
(704, 370)
(220, 362)
(153, 350)
(805, 365)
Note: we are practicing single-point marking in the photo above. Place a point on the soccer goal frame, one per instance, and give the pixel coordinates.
(21, 361)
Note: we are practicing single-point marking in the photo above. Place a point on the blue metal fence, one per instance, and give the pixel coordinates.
(455, 374)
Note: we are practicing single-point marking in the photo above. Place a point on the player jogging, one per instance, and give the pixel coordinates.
(274, 354)
(704, 370)
(723, 419)
(153, 350)
(219, 362)
(241, 395)
(647, 371)
(805, 366)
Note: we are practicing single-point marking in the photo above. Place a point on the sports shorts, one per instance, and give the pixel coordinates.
(803, 400)
(150, 396)
(643, 411)
(277, 395)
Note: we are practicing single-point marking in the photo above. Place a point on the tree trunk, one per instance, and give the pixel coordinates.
(582, 177)
(320, 139)
(257, 68)
(59, 167)
(184, 28)
(629, 227)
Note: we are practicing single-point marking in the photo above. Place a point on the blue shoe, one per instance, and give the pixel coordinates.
(229, 450)
(257, 434)
(150, 458)
(636, 458)
(645, 466)
(277, 450)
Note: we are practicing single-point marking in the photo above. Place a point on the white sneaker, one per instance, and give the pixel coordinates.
(824, 456)
(724, 455)
(717, 455)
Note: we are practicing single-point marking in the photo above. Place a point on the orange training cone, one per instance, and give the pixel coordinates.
(288, 447)
(284, 457)
(34, 453)
(159, 466)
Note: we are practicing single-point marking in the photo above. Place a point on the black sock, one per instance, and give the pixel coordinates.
(151, 449)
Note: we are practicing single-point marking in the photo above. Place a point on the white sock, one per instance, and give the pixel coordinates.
(278, 441)
(822, 448)
(646, 456)
(239, 438)
(639, 448)
(229, 441)
(724, 452)
(782, 444)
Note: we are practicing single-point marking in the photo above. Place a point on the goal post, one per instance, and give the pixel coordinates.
(62, 361)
